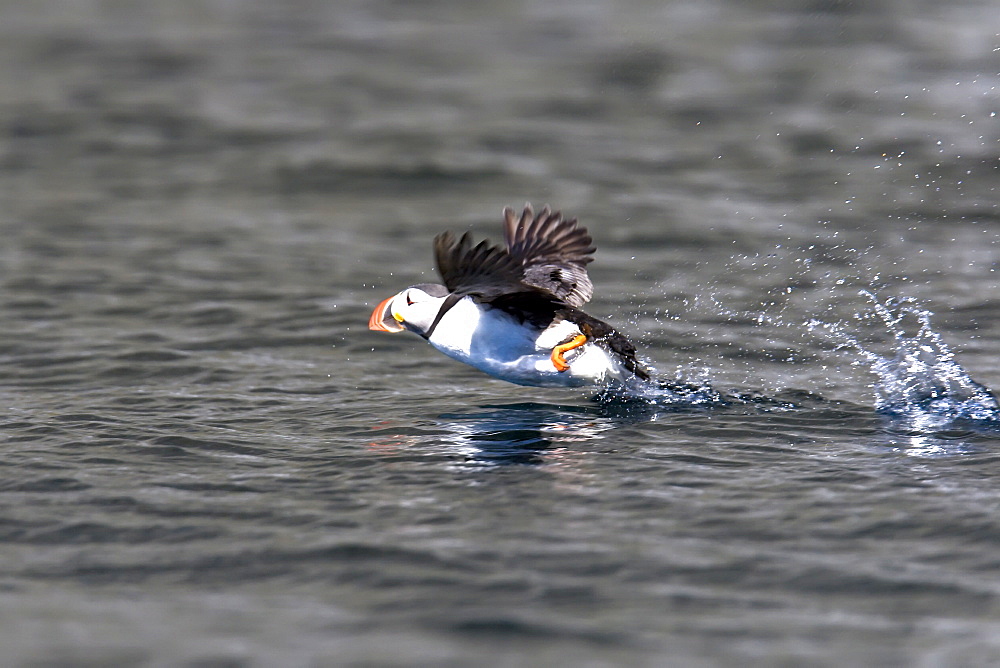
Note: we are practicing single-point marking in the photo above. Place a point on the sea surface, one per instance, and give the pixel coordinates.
(208, 460)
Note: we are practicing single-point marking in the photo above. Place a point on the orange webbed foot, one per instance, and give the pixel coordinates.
(558, 361)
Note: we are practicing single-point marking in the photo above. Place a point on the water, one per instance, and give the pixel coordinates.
(921, 384)
(210, 461)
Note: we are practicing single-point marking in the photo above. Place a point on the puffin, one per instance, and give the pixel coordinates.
(513, 311)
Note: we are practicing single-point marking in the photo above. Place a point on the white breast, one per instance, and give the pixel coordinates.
(499, 345)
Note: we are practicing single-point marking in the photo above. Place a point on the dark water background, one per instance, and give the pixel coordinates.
(208, 460)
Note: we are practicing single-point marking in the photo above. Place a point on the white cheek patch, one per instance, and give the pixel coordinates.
(415, 310)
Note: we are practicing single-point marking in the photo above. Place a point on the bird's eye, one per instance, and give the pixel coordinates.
(409, 302)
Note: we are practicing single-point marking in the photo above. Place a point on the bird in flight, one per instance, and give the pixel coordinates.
(513, 311)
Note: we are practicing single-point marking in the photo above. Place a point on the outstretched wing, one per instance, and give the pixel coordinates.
(544, 261)
(553, 253)
(482, 270)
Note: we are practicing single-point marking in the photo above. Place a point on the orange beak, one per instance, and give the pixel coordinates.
(382, 319)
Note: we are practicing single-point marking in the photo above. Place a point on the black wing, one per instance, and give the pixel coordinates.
(544, 261)
(484, 270)
(492, 275)
(552, 252)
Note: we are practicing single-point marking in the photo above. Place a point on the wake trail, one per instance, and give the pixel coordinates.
(918, 384)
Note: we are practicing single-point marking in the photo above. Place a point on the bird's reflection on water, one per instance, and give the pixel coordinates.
(525, 433)
(539, 433)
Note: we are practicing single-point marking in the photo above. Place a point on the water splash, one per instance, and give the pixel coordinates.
(921, 385)
(660, 392)
(681, 395)
(690, 387)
